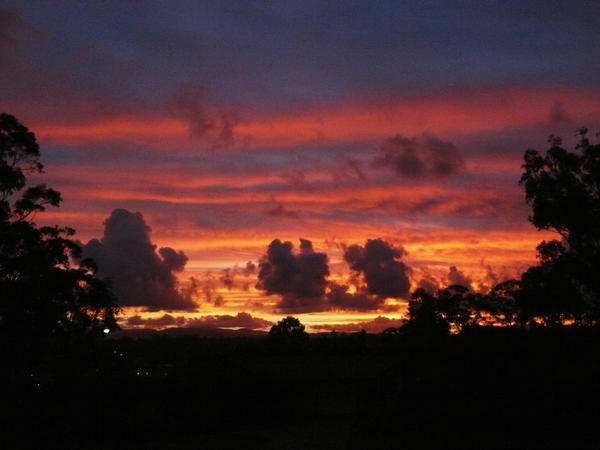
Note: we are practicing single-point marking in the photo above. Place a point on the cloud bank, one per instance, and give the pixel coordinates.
(240, 320)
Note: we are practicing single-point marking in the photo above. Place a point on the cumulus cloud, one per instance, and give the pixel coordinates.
(141, 275)
(380, 265)
(300, 278)
(419, 157)
(240, 320)
(455, 276)
(375, 325)
(174, 261)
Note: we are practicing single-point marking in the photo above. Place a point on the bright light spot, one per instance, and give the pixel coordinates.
(106, 331)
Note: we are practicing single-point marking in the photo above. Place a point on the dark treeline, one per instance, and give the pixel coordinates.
(449, 378)
(485, 388)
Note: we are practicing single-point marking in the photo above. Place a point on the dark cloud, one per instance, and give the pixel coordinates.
(375, 325)
(300, 278)
(240, 320)
(174, 261)
(420, 157)
(141, 276)
(455, 276)
(291, 303)
(379, 264)
(339, 298)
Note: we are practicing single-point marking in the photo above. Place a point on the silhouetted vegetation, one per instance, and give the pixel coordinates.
(48, 296)
(563, 189)
(484, 388)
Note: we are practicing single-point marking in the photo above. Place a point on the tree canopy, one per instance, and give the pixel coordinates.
(563, 189)
(46, 290)
(289, 327)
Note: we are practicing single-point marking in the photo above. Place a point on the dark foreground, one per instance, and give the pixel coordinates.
(485, 389)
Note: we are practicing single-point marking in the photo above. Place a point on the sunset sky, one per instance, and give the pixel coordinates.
(227, 125)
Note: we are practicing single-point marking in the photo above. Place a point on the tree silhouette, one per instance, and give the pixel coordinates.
(454, 303)
(424, 316)
(547, 292)
(44, 293)
(289, 327)
(500, 302)
(563, 189)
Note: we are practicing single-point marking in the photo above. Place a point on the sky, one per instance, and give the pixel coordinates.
(230, 163)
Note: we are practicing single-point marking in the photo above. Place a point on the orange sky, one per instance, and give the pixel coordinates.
(286, 182)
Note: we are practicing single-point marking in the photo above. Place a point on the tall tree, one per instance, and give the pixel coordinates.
(563, 189)
(44, 292)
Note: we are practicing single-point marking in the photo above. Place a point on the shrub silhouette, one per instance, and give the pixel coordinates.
(289, 328)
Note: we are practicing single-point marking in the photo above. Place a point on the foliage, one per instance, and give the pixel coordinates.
(43, 293)
(549, 294)
(563, 189)
(289, 327)
(424, 317)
